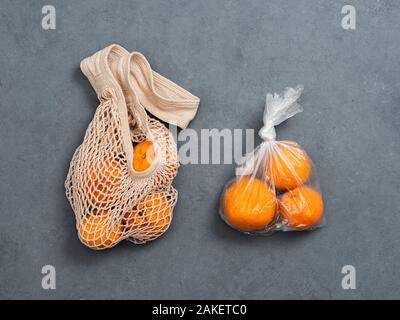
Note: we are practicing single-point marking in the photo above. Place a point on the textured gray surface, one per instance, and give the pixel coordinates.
(229, 54)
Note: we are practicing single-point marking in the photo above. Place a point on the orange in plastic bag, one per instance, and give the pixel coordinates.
(289, 166)
(302, 207)
(249, 204)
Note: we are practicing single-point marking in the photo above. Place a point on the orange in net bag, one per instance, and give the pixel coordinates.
(119, 183)
(275, 187)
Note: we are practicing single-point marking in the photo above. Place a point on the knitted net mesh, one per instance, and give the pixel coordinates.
(111, 204)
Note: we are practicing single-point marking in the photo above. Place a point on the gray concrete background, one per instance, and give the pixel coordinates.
(229, 53)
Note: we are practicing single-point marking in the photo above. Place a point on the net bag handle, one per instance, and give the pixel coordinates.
(147, 90)
(103, 72)
(158, 95)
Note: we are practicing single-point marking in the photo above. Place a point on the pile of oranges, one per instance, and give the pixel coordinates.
(280, 194)
(149, 218)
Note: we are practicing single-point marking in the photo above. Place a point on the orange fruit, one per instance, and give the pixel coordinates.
(249, 204)
(302, 207)
(288, 166)
(97, 212)
(98, 232)
(143, 156)
(156, 212)
(132, 220)
(101, 179)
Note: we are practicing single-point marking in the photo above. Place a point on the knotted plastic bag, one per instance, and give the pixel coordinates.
(119, 180)
(275, 187)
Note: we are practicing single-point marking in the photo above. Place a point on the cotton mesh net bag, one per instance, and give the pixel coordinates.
(275, 187)
(119, 180)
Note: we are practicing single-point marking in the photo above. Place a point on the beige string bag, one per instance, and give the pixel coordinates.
(110, 199)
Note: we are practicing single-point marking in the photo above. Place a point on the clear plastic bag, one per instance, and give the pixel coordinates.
(275, 187)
